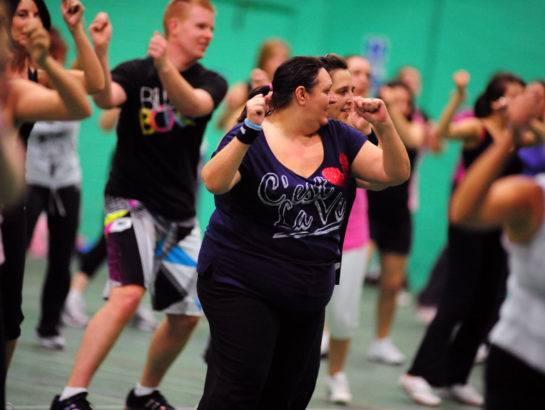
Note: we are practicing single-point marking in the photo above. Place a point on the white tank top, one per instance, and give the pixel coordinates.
(52, 154)
(521, 327)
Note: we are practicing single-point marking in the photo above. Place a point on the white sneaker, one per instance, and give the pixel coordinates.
(419, 390)
(57, 342)
(338, 390)
(404, 298)
(144, 319)
(74, 310)
(324, 346)
(482, 354)
(463, 393)
(384, 351)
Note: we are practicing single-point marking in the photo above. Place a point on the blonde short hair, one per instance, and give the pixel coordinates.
(180, 9)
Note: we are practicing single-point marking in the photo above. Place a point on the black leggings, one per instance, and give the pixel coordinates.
(3, 366)
(62, 207)
(474, 291)
(433, 291)
(12, 270)
(261, 356)
(511, 383)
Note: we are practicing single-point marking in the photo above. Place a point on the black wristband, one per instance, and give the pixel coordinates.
(247, 135)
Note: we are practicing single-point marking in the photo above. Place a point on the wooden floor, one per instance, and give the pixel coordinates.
(37, 374)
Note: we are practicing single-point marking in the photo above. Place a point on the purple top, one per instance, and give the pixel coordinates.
(276, 233)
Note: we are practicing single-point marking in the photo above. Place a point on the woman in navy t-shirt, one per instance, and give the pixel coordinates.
(282, 187)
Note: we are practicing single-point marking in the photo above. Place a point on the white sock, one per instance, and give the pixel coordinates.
(71, 391)
(140, 390)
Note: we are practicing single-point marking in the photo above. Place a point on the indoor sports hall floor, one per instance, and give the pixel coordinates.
(37, 374)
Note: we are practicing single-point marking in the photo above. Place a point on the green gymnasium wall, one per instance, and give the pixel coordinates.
(436, 36)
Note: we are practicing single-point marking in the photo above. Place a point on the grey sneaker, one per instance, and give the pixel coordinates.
(144, 320)
(55, 342)
(74, 310)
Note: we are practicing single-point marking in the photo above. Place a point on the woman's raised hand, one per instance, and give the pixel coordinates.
(72, 13)
(37, 46)
(369, 109)
(101, 31)
(461, 79)
(256, 108)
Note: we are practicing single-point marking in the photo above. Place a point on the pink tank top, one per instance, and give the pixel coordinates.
(357, 230)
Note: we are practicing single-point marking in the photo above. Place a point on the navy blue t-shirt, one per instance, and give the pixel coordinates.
(276, 233)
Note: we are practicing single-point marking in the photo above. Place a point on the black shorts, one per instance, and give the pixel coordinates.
(391, 231)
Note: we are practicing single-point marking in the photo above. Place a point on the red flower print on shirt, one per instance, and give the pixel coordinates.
(336, 176)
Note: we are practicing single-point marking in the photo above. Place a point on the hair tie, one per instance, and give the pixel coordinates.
(270, 86)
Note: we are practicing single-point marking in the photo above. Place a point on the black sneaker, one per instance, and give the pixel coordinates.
(77, 402)
(152, 401)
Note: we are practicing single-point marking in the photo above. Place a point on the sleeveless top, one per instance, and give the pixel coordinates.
(26, 128)
(52, 154)
(521, 327)
(394, 198)
(469, 155)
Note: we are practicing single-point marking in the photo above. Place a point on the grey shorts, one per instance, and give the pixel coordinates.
(152, 252)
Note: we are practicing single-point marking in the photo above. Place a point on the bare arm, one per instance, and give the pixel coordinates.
(234, 101)
(467, 131)
(360, 183)
(108, 119)
(411, 132)
(189, 101)
(385, 166)
(12, 164)
(33, 102)
(221, 173)
(93, 77)
(113, 94)
(481, 201)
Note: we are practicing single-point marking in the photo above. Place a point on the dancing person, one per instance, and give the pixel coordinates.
(32, 15)
(53, 177)
(515, 369)
(23, 11)
(342, 312)
(89, 263)
(28, 102)
(12, 171)
(282, 184)
(91, 259)
(477, 264)
(152, 234)
(360, 68)
(390, 224)
(272, 53)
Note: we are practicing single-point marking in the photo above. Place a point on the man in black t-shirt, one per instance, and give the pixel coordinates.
(151, 231)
